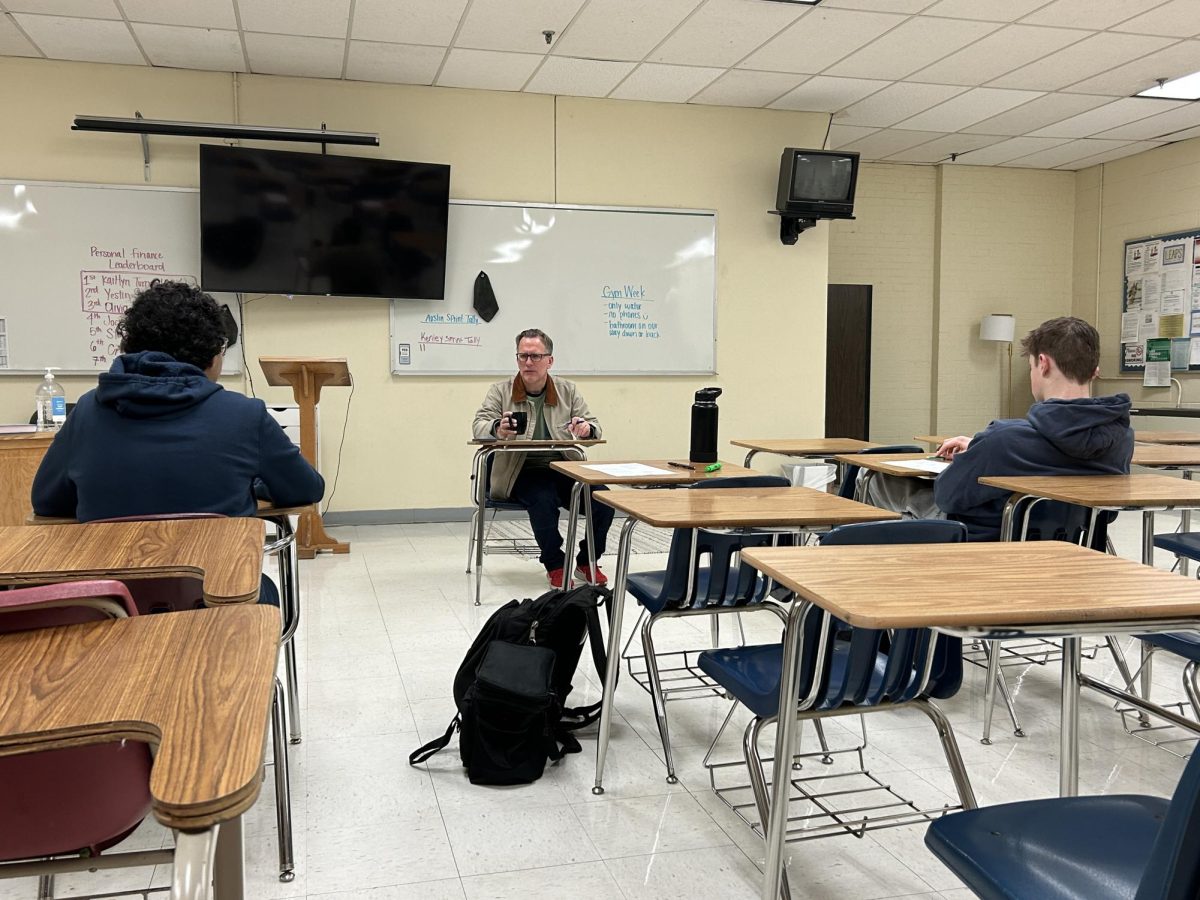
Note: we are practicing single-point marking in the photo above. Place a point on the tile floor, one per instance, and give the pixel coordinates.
(382, 632)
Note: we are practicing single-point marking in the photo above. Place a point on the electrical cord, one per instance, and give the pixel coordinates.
(242, 334)
(342, 443)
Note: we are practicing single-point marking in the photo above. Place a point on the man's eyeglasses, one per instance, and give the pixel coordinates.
(531, 357)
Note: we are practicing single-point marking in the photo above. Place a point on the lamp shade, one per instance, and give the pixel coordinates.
(998, 327)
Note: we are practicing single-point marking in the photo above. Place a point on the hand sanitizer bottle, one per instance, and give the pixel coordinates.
(51, 403)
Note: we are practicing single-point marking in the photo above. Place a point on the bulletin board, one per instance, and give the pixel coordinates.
(1160, 298)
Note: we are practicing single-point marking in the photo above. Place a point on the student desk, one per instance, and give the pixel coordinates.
(781, 507)
(1167, 437)
(20, 456)
(808, 447)
(486, 448)
(225, 553)
(195, 684)
(585, 474)
(990, 591)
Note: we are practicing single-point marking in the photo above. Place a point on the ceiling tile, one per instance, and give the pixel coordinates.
(1160, 124)
(741, 87)
(1125, 81)
(967, 109)
(1084, 59)
(578, 77)
(488, 69)
(13, 43)
(87, 9)
(83, 40)
(895, 6)
(515, 25)
(314, 18)
(998, 53)
(890, 140)
(824, 94)
(1095, 14)
(911, 46)
(1102, 118)
(286, 54)
(1013, 148)
(841, 136)
(898, 102)
(1067, 153)
(417, 22)
(665, 84)
(198, 13)
(1175, 19)
(1186, 134)
(986, 10)
(393, 63)
(820, 39)
(1119, 153)
(622, 29)
(179, 47)
(1038, 113)
(722, 32)
(942, 148)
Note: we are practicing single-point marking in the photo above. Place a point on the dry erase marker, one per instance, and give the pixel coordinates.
(715, 467)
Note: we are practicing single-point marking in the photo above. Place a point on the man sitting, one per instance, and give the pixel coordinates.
(555, 409)
(1066, 432)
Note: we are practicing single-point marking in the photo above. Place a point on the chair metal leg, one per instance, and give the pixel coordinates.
(1007, 696)
(656, 695)
(1147, 666)
(758, 786)
(989, 688)
(195, 863)
(45, 887)
(962, 783)
(283, 787)
(293, 690)
(1191, 686)
(471, 538)
(820, 727)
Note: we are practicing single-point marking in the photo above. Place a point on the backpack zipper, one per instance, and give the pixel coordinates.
(533, 632)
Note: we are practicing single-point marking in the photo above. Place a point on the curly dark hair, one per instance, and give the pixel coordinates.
(174, 318)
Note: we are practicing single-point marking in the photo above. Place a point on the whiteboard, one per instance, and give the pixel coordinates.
(619, 290)
(72, 259)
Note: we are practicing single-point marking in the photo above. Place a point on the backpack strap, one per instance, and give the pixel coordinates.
(575, 718)
(425, 751)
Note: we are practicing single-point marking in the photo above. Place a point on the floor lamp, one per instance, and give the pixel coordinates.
(1001, 327)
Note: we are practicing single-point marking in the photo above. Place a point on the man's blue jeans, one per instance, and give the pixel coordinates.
(543, 492)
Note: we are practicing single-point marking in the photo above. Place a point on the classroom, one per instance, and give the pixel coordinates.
(1005, 166)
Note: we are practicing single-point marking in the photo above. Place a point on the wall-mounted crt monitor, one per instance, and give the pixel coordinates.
(817, 184)
(279, 222)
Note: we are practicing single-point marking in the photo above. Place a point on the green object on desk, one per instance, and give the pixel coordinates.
(715, 467)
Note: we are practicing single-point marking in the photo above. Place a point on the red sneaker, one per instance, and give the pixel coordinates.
(590, 575)
(555, 577)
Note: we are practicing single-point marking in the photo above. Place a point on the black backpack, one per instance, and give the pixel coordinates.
(512, 685)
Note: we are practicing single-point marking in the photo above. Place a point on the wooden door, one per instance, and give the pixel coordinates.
(848, 361)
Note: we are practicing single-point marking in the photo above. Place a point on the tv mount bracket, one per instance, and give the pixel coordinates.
(790, 226)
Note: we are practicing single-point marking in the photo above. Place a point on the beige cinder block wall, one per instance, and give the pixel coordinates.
(1155, 192)
(405, 445)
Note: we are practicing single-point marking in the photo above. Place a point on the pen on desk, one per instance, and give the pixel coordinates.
(678, 465)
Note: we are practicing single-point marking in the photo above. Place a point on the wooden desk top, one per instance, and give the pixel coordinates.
(198, 684)
(1164, 455)
(781, 507)
(28, 437)
(1167, 437)
(885, 463)
(520, 444)
(583, 471)
(1103, 490)
(225, 553)
(805, 446)
(985, 584)
(935, 439)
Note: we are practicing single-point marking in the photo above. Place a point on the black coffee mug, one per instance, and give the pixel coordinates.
(519, 421)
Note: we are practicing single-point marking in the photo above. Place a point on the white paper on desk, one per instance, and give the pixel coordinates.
(936, 466)
(628, 470)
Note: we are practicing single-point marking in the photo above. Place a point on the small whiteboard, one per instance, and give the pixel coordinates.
(72, 259)
(619, 290)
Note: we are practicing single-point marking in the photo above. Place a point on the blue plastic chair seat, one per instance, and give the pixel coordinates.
(649, 588)
(1073, 848)
(1182, 643)
(1182, 543)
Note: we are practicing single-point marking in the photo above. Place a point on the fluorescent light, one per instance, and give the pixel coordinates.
(802, 2)
(1185, 88)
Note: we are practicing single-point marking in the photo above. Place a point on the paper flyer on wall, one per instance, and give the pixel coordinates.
(1180, 348)
(1158, 363)
(1195, 356)
(1171, 326)
(1129, 327)
(1133, 294)
(1135, 354)
(1153, 257)
(1147, 326)
(1151, 292)
(1134, 254)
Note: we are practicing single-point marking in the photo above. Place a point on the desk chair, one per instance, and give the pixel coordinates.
(846, 671)
(478, 540)
(849, 482)
(1120, 847)
(689, 587)
(62, 808)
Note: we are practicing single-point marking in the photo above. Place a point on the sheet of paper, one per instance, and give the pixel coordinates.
(1134, 254)
(1153, 258)
(17, 429)
(1180, 351)
(630, 470)
(1129, 327)
(1147, 326)
(1195, 360)
(1171, 326)
(936, 466)
(1158, 363)
(1151, 292)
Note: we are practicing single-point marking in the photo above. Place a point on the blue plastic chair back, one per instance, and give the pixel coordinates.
(850, 475)
(1053, 520)
(486, 487)
(719, 580)
(1173, 871)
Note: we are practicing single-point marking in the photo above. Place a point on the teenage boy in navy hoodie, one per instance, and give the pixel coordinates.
(160, 435)
(1066, 432)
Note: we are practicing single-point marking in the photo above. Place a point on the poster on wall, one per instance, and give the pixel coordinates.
(1160, 300)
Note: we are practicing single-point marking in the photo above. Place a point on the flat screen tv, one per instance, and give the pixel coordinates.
(817, 184)
(276, 222)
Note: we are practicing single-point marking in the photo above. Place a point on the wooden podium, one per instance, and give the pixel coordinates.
(307, 375)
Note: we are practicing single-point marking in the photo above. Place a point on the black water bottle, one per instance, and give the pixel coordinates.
(704, 426)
